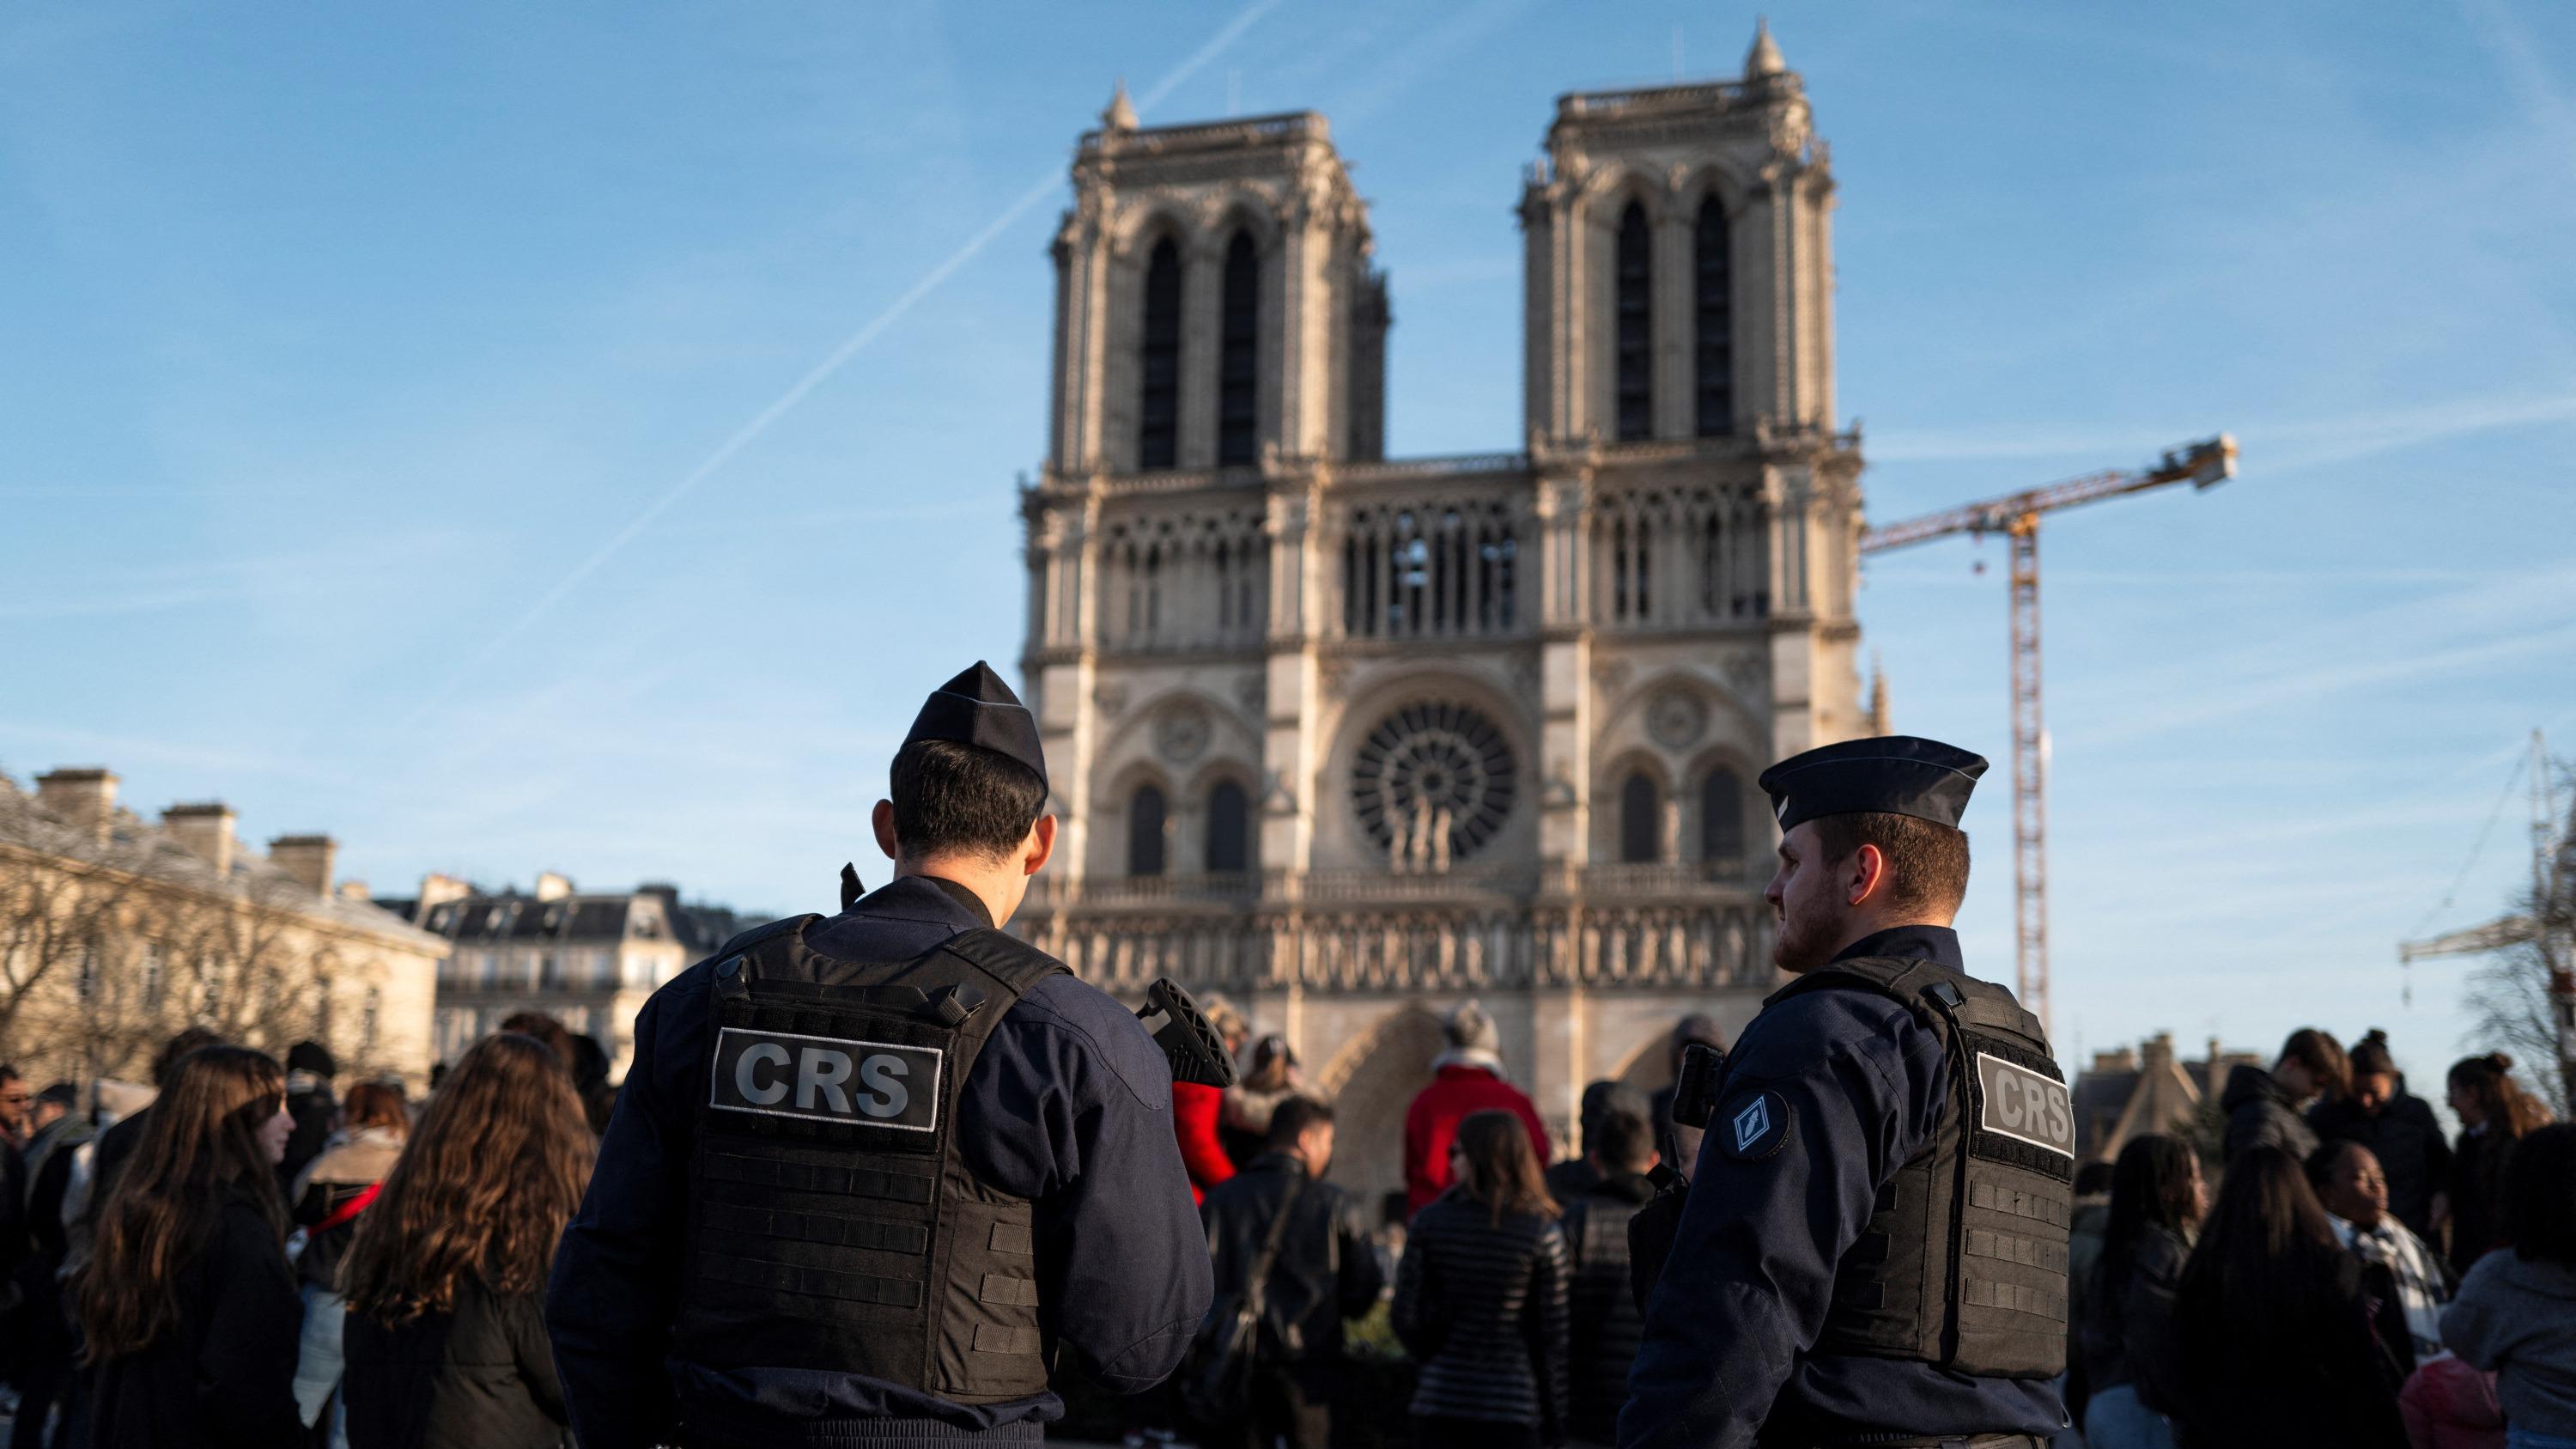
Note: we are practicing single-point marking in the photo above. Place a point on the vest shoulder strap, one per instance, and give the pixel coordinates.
(1008, 959)
(1926, 988)
(744, 941)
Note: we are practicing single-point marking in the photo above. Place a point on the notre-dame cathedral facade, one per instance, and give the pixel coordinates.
(1351, 739)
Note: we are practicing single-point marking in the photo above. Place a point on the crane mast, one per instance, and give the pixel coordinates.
(2017, 515)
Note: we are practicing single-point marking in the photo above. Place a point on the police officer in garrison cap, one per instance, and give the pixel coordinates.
(1871, 1248)
(877, 1177)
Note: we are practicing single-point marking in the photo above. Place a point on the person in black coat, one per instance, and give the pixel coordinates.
(2276, 1343)
(446, 1337)
(186, 1304)
(2398, 1128)
(1606, 1322)
(1325, 1271)
(1481, 1298)
(1066, 1107)
(310, 1101)
(1576, 1176)
(2124, 1330)
(2494, 1114)
(2264, 1108)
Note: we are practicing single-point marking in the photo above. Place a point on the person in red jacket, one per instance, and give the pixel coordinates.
(1468, 1077)
(1196, 1109)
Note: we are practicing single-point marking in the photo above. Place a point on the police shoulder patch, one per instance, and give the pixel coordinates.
(1751, 1125)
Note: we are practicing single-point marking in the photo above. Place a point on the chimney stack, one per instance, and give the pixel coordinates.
(308, 858)
(354, 890)
(83, 797)
(437, 890)
(206, 829)
(553, 886)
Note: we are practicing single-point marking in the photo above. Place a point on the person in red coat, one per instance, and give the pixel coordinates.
(1468, 1077)
(1196, 1110)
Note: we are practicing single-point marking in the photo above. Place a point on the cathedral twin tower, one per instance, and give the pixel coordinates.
(1347, 737)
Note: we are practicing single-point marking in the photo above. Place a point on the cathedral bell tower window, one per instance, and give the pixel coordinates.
(1639, 821)
(1229, 838)
(1239, 355)
(1158, 438)
(1145, 814)
(1721, 816)
(1714, 321)
(1636, 331)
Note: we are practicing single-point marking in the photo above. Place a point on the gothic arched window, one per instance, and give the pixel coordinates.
(1714, 320)
(1721, 816)
(1640, 821)
(1145, 831)
(1636, 328)
(1229, 839)
(1158, 439)
(1239, 353)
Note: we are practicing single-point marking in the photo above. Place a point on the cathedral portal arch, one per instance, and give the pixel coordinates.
(1371, 1082)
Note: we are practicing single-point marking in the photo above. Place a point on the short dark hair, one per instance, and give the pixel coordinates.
(1290, 1119)
(2540, 1196)
(1927, 864)
(953, 797)
(1622, 1140)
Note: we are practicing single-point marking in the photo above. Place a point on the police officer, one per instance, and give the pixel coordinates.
(873, 1176)
(1872, 1249)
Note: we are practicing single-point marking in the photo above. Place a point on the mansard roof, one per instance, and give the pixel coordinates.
(151, 852)
(509, 917)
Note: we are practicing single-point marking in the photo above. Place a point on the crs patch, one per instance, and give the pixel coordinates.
(2025, 1105)
(826, 1079)
(1751, 1125)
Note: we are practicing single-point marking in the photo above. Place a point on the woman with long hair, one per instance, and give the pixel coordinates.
(2398, 1127)
(186, 1304)
(2494, 1114)
(1244, 1123)
(2125, 1336)
(446, 1336)
(2265, 1109)
(330, 1194)
(2275, 1337)
(1481, 1297)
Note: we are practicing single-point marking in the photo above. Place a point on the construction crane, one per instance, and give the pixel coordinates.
(2016, 515)
(2553, 883)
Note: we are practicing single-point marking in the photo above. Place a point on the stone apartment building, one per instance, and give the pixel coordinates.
(589, 959)
(1353, 739)
(116, 931)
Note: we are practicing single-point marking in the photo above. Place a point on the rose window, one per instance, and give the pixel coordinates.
(1432, 783)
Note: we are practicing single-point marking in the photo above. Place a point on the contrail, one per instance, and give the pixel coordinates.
(822, 371)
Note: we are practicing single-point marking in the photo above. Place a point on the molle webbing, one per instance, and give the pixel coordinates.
(832, 1225)
(1963, 1262)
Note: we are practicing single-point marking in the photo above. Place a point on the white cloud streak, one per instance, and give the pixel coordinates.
(786, 402)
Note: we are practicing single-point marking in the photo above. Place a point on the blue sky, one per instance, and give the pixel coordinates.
(392, 441)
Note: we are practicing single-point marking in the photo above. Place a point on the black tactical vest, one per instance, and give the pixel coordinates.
(1964, 1262)
(832, 1225)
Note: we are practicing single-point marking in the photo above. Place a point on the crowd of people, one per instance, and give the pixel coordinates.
(250, 1259)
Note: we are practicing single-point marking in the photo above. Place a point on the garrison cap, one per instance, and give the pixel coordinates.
(977, 708)
(1894, 774)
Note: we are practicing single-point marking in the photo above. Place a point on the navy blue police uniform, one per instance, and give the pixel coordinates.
(1872, 1245)
(872, 1177)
